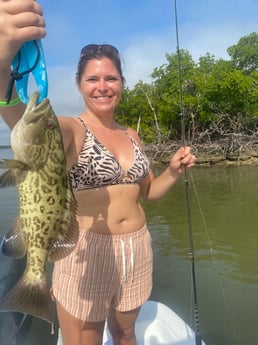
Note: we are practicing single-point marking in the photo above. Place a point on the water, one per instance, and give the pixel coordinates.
(224, 203)
(225, 223)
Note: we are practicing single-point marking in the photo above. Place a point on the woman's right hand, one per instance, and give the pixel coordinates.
(20, 21)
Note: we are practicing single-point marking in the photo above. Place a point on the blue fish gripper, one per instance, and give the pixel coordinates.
(29, 59)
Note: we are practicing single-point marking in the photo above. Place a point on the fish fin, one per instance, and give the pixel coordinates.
(64, 246)
(8, 178)
(14, 244)
(68, 236)
(29, 299)
(13, 164)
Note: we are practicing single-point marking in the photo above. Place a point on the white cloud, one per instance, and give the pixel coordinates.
(140, 62)
(142, 53)
(214, 39)
(63, 93)
(146, 53)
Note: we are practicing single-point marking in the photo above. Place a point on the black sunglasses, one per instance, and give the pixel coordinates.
(99, 49)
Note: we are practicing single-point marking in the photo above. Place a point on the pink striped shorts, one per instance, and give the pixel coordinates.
(105, 272)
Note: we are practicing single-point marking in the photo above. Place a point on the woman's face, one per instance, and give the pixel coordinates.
(101, 86)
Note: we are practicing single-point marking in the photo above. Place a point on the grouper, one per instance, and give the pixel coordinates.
(46, 228)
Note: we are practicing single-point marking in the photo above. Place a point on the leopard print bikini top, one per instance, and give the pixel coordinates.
(97, 167)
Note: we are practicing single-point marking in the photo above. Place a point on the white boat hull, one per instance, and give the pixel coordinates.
(157, 325)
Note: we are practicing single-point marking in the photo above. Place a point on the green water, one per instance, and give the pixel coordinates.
(224, 218)
(225, 234)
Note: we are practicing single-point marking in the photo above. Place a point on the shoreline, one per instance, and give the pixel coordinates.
(161, 154)
(205, 155)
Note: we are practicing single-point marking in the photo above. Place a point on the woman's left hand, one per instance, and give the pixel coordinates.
(181, 160)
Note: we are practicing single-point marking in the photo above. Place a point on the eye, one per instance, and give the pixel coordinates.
(112, 78)
(91, 79)
(50, 125)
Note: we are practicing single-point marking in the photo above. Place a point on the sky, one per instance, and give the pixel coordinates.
(143, 31)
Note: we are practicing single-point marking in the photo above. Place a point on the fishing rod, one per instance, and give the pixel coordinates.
(198, 339)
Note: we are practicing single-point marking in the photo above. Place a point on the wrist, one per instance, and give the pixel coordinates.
(174, 173)
(5, 60)
(5, 70)
(11, 103)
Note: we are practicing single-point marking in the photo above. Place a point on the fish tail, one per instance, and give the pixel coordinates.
(27, 298)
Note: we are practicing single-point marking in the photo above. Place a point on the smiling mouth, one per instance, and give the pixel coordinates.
(103, 97)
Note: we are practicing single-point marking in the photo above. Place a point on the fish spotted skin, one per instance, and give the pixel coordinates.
(46, 227)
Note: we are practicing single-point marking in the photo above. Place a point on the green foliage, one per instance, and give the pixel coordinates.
(244, 54)
(201, 93)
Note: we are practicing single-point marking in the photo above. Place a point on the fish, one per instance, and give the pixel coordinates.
(46, 228)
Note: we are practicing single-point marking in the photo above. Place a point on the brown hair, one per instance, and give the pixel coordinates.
(98, 51)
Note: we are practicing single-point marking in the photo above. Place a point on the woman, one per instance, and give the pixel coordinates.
(109, 274)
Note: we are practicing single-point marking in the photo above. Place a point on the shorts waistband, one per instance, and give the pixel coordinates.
(97, 238)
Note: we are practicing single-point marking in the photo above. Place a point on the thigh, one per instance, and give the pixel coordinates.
(85, 281)
(122, 324)
(78, 332)
(135, 266)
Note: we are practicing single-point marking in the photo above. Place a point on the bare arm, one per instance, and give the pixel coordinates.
(20, 21)
(10, 115)
(153, 188)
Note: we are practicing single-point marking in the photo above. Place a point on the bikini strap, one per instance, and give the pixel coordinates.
(83, 122)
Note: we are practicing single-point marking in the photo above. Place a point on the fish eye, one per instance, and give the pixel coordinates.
(50, 125)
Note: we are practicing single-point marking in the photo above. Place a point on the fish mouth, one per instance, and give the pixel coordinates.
(34, 111)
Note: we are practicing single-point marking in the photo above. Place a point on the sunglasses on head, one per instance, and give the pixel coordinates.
(93, 49)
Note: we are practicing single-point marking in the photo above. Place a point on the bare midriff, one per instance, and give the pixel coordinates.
(98, 214)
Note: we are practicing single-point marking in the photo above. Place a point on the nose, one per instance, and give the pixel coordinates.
(102, 86)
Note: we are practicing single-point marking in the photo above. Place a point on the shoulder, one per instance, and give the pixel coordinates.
(69, 125)
(72, 132)
(134, 135)
(68, 122)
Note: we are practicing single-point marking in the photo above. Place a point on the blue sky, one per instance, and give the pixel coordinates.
(143, 31)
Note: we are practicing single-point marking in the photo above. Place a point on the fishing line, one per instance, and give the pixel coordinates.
(182, 114)
(198, 339)
(21, 323)
(17, 329)
(212, 254)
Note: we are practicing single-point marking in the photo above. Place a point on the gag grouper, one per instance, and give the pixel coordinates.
(46, 227)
